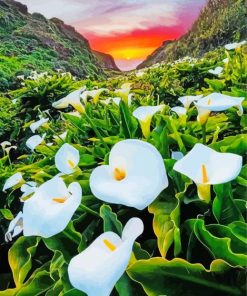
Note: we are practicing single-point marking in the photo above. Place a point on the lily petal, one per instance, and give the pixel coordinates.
(51, 208)
(13, 181)
(187, 100)
(96, 270)
(67, 159)
(135, 176)
(220, 167)
(145, 114)
(180, 111)
(218, 102)
(34, 141)
(34, 126)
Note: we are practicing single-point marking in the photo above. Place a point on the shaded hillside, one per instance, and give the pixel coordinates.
(220, 22)
(106, 61)
(31, 42)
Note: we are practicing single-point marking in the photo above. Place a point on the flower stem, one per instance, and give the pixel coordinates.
(204, 139)
(88, 210)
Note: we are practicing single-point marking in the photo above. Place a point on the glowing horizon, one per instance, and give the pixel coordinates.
(129, 30)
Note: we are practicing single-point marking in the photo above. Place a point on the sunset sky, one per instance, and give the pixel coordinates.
(129, 30)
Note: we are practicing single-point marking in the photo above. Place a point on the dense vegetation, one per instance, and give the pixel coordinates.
(220, 22)
(31, 42)
(190, 245)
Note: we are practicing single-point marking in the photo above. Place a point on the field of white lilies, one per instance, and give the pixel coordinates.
(135, 185)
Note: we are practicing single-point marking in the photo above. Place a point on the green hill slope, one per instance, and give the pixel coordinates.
(220, 22)
(31, 42)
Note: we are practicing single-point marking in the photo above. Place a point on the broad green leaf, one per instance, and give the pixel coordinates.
(20, 258)
(220, 242)
(111, 222)
(66, 242)
(159, 276)
(224, 209)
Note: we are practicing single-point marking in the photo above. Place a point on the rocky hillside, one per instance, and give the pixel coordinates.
(220, 22)
(106, 61)
(31, 42)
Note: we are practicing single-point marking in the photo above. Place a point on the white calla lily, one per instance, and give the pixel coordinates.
(216, 71)
(216, 102)
(34, 126)
(135, 176)
(72, 99)
(35, 141)
(205, 167)
(188, 100)
(7, 150)
(180, 111)
(28, 188)
(49, 210)
(117, 100)
(61, 136)
(13, 181)
(67, 159)
(234, 45)
(145, 114)
(106, 101)
(123, 93)
(4, 144)
(94, 94)
(97, 269)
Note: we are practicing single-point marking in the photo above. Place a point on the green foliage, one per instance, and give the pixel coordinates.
(189, 247)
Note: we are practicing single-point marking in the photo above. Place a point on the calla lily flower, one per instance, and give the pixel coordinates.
(67, 159)
(145, 114)
(7, 150)
(28, 188)
(123, 93)
(13, 181)
(234, 45)
(61, 136)
(135, 175)
(97, 269)
(180, 111)
(72, 99)
(216, 102)
(205, 167)
(34, 126)
(94, 94)
(48, 211)
(35, 141)
(187, 100)
(216, 71)
(117, 100)
(4, 144)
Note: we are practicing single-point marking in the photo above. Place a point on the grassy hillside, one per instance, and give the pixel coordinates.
(31, 42)
(220, 22)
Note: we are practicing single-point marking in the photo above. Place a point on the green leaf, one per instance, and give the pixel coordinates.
(111, 222)
(128, 124)
(65, 242)
(7, 214)
(159, 276)
(239, 229)
(224, 209)
(220, 242)
(20, 258)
